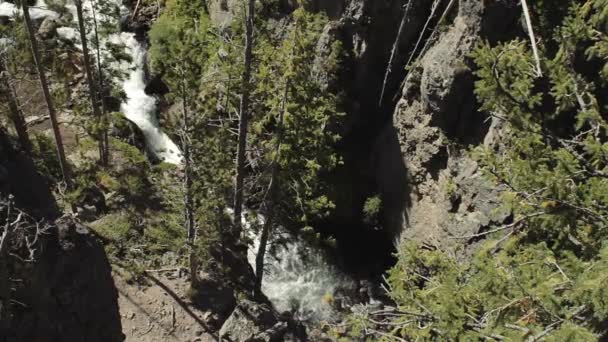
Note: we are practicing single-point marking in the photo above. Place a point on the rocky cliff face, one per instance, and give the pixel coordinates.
(55, 279)
(410, 148)
(437, 121)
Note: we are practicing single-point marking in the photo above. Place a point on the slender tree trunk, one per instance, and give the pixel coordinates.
(270, 201)
(524, 5)
(47, 95)
(187, 187)
(15, 113)
(101, 88)
(243, 122)
(389, 67)
(90, 80)
(434, 7)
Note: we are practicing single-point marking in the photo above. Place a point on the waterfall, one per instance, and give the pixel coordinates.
(38, 12)
(298, 277)
(139, 107)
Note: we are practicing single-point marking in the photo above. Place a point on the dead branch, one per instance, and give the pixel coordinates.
(394, 50)
(524, 5)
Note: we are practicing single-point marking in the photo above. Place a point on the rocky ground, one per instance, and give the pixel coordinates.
(160, 311)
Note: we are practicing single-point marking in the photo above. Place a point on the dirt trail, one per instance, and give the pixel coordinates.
(159, 312)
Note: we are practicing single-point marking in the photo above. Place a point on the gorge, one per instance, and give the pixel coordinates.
(421, 170)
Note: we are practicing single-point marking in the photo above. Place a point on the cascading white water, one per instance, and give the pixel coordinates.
(298, 278)
(39, 11)
(139, 107)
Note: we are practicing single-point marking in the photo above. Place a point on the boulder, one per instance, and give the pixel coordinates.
(214, 296)
(48, 28)
(253, 322)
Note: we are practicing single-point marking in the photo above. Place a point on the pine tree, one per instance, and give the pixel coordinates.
(47, 95)
(103, 150)
(300, 114)
(244, 113)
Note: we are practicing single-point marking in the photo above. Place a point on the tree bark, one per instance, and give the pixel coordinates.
(243, 123)
(15, 113)
(47, 95)
(90, 80)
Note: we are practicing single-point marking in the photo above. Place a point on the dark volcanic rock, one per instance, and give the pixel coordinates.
(55, 285)
(18, 176)
(251, 321)
(68, 293)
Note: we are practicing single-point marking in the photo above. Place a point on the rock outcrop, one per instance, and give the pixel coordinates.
(255, 322)
(437, 121)
(66, 293)
(55, 278)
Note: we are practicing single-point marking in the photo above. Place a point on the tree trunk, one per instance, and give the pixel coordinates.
(90, 81)
(187, 186)
(101, 88)
(270, 203)
(15, 113)
(243, 123)
(524, 5)
(47, 95)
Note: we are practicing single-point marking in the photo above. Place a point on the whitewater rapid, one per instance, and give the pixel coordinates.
(37, 12)
(138, 107)
(298, 278)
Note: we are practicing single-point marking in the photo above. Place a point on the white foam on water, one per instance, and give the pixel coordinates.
(298, 278)
(37, 12)
(140, 108)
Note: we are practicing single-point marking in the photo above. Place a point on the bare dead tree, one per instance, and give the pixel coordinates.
(5, 291)
(524, 5)
(424, 28)
(389, 67)
(47, 95)
(20, 240)
(244, 121)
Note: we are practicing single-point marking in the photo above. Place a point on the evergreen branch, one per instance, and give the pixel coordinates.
(389, 336)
